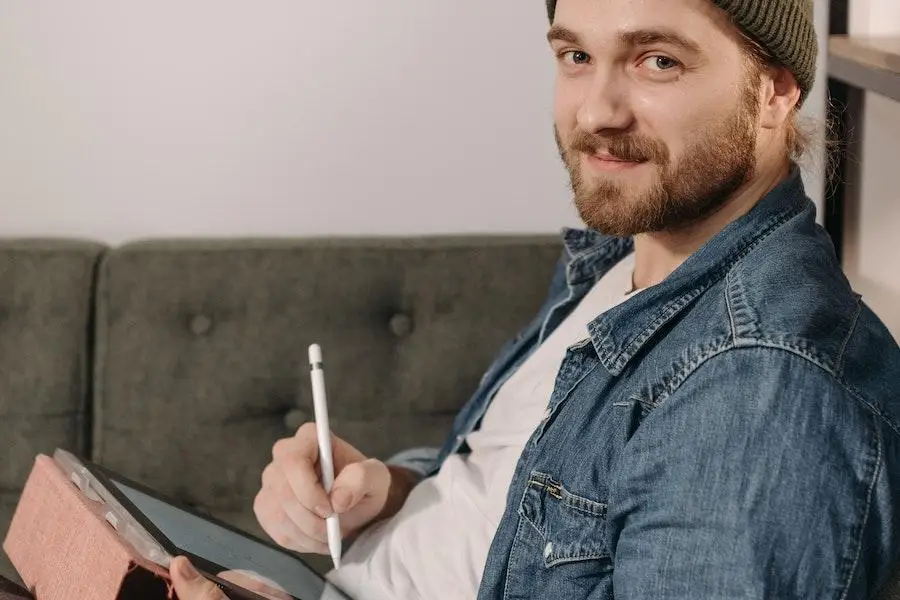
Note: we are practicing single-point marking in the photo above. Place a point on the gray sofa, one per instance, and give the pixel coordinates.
(179, 362)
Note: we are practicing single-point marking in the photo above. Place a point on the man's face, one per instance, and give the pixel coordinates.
(657, 113)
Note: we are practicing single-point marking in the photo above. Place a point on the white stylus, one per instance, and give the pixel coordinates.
(323, 433)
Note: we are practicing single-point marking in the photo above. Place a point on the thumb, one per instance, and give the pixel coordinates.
(190, 585)
(354, 483)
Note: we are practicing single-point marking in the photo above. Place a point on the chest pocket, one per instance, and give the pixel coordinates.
(573, 528)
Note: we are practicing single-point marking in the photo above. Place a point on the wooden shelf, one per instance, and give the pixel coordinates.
(871, 64)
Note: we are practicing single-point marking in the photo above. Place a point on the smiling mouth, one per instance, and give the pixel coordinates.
(607, 162)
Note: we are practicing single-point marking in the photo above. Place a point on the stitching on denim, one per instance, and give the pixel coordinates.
(591, 508)
(865, 517)
(508, 569)
(596, 254)
(552, 310)
(802, 350)
(682, 369)
(566, 497)
(716, 275)
(568, 558)
(839, 363)
(542, 427)
(859, 397)
(658, 392)
(742, 315)
(728, 306)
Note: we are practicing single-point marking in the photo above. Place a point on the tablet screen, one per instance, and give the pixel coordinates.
(228, 549)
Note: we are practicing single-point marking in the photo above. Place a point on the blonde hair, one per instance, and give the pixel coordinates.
(800, 132)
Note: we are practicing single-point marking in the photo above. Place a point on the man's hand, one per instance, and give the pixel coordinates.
(190, 585)
(292, 504)
(256, 583)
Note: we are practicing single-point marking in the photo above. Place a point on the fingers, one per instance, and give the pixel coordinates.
(355, 482)
(296, 458)
(292, 505)
(250, 580)
(190, 585)
(298, 531)
(313, 536)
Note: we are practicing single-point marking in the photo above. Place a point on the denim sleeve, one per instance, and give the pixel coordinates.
(754, 478)
(418, 460)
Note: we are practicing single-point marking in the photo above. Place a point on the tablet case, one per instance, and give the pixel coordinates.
(63, 548)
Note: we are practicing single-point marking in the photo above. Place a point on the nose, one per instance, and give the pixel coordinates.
(605, 107)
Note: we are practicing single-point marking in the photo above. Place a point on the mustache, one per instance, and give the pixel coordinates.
(630, 147)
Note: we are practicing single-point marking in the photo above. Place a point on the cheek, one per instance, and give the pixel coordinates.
(675, 119)
(568, 98)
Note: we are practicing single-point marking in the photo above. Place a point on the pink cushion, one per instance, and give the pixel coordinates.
(64, 549)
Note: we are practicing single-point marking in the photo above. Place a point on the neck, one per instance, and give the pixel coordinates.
(658, 254)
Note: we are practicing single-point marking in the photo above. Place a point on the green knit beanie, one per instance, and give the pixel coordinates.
(783, 27)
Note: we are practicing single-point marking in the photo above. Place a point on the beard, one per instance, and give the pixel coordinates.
(717, 161)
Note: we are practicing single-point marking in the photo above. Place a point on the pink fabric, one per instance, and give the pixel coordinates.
(64, 549)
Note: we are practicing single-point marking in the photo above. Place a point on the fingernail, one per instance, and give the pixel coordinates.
(323, 511)
(340, 500)
(186, 570)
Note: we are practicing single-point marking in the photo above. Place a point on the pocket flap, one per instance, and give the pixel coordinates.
(573, 527)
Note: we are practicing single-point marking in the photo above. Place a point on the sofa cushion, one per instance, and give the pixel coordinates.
(202, 348)
(46, 292)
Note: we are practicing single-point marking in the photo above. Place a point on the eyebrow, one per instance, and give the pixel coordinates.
(631, 39)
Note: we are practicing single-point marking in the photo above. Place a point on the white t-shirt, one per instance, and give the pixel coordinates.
(437, 544)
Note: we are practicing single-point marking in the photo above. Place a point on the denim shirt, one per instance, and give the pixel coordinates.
(732, 432)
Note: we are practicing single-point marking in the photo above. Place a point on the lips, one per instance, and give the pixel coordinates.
(615, 159)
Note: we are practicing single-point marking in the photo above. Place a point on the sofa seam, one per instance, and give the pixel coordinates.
(101, 340)
(87, 369)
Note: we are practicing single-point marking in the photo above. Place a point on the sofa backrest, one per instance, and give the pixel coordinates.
(201, 348)
(46, 294)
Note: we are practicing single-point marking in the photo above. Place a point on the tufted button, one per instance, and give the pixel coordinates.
(401, 325)
(295, 418)
(201, 324)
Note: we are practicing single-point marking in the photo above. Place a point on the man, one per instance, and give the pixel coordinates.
(702, 409)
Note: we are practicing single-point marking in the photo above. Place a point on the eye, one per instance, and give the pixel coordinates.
(576, 57)
(661, 62)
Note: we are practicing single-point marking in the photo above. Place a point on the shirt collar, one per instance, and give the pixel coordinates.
(620, 333)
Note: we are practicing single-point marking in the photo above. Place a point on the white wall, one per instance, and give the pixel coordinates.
(287, 117)
(814, 109)
(123, 119)
(873, 246)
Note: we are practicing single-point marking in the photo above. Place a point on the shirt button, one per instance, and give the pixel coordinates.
(547, 414)
(548, 550)
(460, 439)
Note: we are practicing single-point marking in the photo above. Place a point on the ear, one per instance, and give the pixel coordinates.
(782, 94)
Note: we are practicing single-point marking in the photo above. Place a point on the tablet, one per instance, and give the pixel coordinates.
(243, 565)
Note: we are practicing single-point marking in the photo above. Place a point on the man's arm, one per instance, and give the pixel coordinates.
(754, 479)
(419, 461)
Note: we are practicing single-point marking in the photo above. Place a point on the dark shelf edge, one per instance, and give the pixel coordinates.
(885, 83)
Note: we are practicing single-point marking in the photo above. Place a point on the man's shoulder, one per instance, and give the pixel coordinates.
(791, 295)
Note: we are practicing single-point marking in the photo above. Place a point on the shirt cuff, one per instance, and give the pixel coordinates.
(420, 461)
